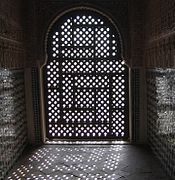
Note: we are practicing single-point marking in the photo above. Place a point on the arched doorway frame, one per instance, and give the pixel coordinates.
(45, 140)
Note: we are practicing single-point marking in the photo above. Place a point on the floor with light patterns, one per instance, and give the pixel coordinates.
(88, 162)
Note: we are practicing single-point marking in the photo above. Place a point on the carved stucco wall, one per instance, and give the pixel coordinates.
(159, 50)
(136, 24)
(12, 34)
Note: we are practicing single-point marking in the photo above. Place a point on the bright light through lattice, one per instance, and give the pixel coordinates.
(86, 79)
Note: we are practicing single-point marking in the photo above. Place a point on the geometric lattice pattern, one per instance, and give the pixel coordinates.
(86, 79)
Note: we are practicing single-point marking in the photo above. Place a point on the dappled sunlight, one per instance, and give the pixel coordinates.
(70, 163)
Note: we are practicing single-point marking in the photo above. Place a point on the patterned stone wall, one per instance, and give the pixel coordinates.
(13, 130)
(161, 116)
(159, 50)
(13, 133)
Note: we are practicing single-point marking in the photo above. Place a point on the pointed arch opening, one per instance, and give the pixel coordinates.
(85, 79)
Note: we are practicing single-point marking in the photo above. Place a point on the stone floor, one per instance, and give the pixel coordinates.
(88, 162)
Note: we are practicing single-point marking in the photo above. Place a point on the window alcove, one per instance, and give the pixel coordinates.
(85, 79)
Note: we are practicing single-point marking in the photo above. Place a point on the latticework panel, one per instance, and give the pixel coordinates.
(86, 79)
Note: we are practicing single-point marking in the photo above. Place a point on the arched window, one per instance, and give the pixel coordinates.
(86, 80)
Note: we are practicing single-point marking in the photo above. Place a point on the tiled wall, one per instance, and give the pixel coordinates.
(13, 133)
(161, 116)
